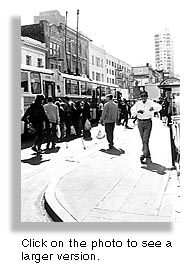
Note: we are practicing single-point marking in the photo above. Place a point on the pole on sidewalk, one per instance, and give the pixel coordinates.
(83, 143)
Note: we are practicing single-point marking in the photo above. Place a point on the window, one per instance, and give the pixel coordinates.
(24, 81)
(98, 78)
(92, 60)
(28, 60)
(72, 86)
(101, 62)
(35, 83)
(97, 61)
(93, 75)
(39, 62)
(83, 88)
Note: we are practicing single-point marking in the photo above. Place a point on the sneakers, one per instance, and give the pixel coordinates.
(142, 158)
(148, 159)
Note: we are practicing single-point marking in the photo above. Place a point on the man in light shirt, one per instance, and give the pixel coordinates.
(52, 113)
(144, 110)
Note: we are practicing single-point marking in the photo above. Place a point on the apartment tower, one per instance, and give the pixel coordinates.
(164, 58)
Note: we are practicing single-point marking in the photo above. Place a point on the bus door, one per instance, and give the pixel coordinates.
(49, 89)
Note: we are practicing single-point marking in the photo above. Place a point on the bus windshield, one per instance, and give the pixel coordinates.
(24, 81)
(35, 83)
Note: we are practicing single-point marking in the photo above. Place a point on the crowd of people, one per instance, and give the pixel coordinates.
(45, 115)
(74, 118)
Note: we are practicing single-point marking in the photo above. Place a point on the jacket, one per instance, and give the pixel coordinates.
(110, 112)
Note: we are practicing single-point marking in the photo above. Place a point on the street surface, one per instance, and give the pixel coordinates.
(83, 181)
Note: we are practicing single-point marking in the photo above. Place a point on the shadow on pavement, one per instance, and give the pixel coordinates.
(154, 167)
(113, 151)
(35, 160)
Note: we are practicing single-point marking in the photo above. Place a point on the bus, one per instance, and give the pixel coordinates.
(34, 81)
(78, 87)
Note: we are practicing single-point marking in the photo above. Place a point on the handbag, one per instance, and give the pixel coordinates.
(58, 132)
(31, 129)
(101, 132)
(87, 125)
(72, 130)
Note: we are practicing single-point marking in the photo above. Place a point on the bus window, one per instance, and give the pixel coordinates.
(48, 89)
(72, 86)
(89, 89)
(83, 88)
(35, 83)
(103, 91)
(24, 81)
(108, 90)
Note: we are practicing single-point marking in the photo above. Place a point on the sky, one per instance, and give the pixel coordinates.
(125, 29)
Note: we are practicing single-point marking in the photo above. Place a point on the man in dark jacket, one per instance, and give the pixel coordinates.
(35, 115)
(109, 117)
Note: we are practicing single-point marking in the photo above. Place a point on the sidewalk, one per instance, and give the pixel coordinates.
(113, 186)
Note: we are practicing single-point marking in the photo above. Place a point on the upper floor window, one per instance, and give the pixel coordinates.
(39, 62)
(98, 61)
(101, 62)
(28, 60)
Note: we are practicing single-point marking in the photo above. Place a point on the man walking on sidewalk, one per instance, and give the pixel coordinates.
(144, 110)
(52, 113)
(108, 118)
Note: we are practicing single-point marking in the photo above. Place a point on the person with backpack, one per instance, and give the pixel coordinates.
(36, 115)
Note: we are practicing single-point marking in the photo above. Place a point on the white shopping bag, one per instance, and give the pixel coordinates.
(72, 130)
(87, 125)
(58, 132)
(101, 132)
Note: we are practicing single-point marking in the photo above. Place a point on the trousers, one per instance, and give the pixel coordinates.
(145, 127)
(109, 129)
(51, 133)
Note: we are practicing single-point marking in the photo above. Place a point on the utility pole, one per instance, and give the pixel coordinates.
(67, 65)
(77, 63)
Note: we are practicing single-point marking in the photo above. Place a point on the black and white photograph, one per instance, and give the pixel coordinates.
(92, 147)
(100, 113)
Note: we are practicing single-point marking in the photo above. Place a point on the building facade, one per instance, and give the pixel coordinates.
(118, 72)
(164, 58)
(141, 76)
(68, 50)
(53, 17)
(33, 52)
(97, 63)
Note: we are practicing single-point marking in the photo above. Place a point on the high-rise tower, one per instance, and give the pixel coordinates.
(164, 58)
(52, 16)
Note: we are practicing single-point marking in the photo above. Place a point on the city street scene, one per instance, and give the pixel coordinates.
(100, 137)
